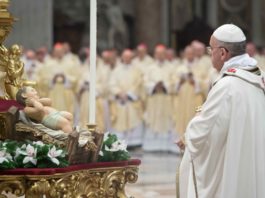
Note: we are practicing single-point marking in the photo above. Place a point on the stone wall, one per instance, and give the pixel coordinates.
(34, 26)
(148, 22)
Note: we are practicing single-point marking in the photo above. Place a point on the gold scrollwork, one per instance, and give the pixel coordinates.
(91, 183)
(15, 187)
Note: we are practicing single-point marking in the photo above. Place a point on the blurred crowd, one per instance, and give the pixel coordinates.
(147, 100)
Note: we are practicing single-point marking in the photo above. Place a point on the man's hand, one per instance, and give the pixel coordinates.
(160, 88)
(180, 143)
(122, 97)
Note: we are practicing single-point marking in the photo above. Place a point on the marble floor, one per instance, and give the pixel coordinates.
(157, 175)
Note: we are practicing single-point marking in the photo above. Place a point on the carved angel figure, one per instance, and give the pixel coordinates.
(14, 68)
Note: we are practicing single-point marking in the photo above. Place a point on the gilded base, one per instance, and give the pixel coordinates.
(92, 183)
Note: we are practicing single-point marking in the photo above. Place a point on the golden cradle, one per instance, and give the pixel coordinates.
(87, 180)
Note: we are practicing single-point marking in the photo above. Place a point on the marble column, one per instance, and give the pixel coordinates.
(212, 17)
(165, 28)
(256, 26)
(198, 8)
(148, 21)
(34, 27)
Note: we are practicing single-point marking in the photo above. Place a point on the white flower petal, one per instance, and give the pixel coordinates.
(34, 161)
(30, 150)
(39, 143)
(8, 156)
(107, 148)
(22, 152)
(58, 153)
(53, 149)
(106, 136)
(56, 161)
(101, 153)
(26, 160)
(2, 153)
(2, 159)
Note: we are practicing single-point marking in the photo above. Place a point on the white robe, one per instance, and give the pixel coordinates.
(227, 139)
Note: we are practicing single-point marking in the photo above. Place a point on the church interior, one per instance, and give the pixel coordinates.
(111, 110)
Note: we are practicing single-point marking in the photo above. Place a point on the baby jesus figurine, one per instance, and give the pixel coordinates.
(40, 110)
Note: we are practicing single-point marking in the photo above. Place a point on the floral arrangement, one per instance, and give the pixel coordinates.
(30, 154)
(113, 149)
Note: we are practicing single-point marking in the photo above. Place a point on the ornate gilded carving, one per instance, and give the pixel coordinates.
(11, 185)
(10, 62)
(91, 183)
(6, 20)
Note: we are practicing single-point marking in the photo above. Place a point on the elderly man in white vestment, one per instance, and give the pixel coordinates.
(143, 61)
(225, 142)
(252, 51)
(158, 115)
(126, 108)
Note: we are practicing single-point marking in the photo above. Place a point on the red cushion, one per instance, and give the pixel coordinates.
(6, 104)
(50, 171)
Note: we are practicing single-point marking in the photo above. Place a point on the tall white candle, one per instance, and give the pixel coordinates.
(93, 58)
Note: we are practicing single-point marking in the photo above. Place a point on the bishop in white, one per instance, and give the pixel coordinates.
(225, 143)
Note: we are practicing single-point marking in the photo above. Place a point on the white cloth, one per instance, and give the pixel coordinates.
(243, 61)
(227, 139)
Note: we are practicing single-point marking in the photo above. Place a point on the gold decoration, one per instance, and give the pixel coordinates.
(10, 58)
(198, 109)
(6, 20)
(92, 127)
(89, 183)
(11, 185)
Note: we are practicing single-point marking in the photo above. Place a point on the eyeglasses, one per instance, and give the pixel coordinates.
(210, 49)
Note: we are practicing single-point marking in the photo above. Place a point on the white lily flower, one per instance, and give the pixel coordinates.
(4, 156)
(101, 153)
(38, 143)
(106, 136)
(112, 149)
(53, 153)
(30, 155)
(18, 152)
(117, 146)
(120, 145)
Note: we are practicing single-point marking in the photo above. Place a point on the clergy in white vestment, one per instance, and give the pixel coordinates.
(143, 62)
(69, 56)
(126, 108)
(187, 93)
(158, 115)
(172, 58)
(41, 75)
(226, 141)
(103, 74)
(204, 67)
(59, 89)
(252, 51)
